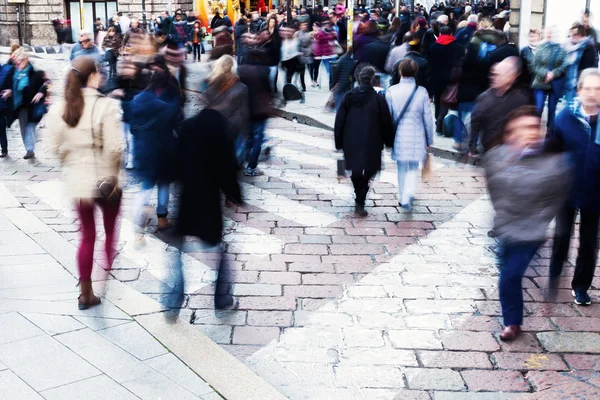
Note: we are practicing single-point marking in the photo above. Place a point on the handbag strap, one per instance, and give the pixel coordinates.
(408, 101)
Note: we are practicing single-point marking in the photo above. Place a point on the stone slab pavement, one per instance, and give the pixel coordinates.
(394, 306)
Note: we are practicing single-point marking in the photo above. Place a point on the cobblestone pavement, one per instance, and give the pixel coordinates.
(394, 306)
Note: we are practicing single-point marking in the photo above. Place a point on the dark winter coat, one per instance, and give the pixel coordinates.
(341, 75)
(526, 63)
(232, 103)
(5, 72)
(363, 125)
(489, 114)
(464, 35)
(424, 74)
(207, 167)
(429, 39)
(256, 79)
(153, 119)
(443, 59)
(375, 54)
(38, 83)
(548, 57)
(573, 133)
(475, 72)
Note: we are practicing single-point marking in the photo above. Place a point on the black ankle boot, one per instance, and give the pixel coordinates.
(360, 210)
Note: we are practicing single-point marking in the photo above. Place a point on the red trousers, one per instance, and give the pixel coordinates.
(85, 255)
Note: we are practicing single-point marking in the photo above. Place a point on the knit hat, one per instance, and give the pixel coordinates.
(422, 22)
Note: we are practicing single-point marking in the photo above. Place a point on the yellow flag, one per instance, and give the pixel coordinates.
(201, 7)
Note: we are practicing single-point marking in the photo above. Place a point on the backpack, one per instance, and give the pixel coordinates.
(485, 51)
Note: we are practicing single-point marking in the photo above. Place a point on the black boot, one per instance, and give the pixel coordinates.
(360, 211)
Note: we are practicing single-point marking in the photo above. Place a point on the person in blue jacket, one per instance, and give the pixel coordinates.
(153, 116)
(577, 131)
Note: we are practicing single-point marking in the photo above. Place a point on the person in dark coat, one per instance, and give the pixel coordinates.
(5, 71)
(375, 54)
(577, 131)
(443, 57)
(153, 116)
(240, 28)
(363, 125)
(200, 212)
(255, 75)
(23, 89)
(527, 56)
(341, 76)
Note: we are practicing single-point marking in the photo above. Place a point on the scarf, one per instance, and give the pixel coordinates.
(445, 40)
(574, 53)
(577, 111)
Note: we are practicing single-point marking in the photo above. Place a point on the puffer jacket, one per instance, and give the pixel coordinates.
(548, 57)
(323, 44)
(527, 190)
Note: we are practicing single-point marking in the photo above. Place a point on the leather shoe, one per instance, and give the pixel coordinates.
(510, 333)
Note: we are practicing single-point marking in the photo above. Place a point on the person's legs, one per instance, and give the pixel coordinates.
(257, 129)
(3, 138)
(130, 146)
(273, 76)
(361, 187)
(562, 238)
(202, 50)
(162, 207)
(539, 97)
(301, 69)
(514, 259)
(552, 102)
(197, 51)
(27, 134)
(289, 70)
(142, 201)
(110, 211)
(316, 66)
(85, 254)
(588, 249)
(464, 114)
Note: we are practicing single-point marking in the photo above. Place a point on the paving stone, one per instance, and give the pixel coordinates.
(15, 327)
(495, 381)
(177, 371)
(158, 386)
(379, 356)
(537, 324)
(570, 342)
(460, 293)
(217, 333)
(220, 317)
(317, 318)
(256, 289)
(530, 361)
(44, 363)
(98, 323)
(54, 324)
(439, 306)
(364, 291)
(283, 303)
(369, 377)
(380, 320)
(270, 318)
(281, 278)
(542, 380)
(468, 340)
(475, 323)
(569, 391)
(15, 388)
(357, 337)
(312, 291)
(454, 359)
(550, 310)
(414, 339)
(254, 335)
(525, 343)
(430, 321)
(135, 340)
(349, 249)
(433, 379)
(581, 324)
(327, 279)
(583, 361)
(476, 396)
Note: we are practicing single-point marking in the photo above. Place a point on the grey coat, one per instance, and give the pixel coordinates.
(415, 131)
(526, 190)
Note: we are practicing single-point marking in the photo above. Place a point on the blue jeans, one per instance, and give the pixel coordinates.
(27, 130)
(255, 140)
(464, 110)
(570, 95)
(143, 200)
(540, 100)
(273, 72)
(514, 259)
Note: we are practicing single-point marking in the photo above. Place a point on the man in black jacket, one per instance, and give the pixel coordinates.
(493, 106)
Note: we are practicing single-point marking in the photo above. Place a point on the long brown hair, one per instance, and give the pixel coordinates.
(77, 77)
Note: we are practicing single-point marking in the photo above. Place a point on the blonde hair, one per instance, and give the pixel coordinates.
(19, 54)
(224, 68)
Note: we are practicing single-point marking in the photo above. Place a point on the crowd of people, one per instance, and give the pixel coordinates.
(129, 97)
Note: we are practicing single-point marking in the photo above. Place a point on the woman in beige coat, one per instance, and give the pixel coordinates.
(87, 136)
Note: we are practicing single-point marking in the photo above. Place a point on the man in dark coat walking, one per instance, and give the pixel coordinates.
(363, 125)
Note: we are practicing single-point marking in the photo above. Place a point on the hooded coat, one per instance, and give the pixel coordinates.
(363, 125)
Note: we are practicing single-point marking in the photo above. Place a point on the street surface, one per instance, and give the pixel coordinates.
(399, 305)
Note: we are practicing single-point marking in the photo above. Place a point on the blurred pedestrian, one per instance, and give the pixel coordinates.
(410, 109)
(200, 212)
(549, 68)
(528, 56)
(527, 187)
(255, 75)
(493, 106)
(271, 42)
(5, 107)
(86, 135)
(229, 96)
(324, 49)
(85, 47)
(153, 116)
(581, 55)
(363, 125)
(111, 45)
(196, 38)
(342, 77)
(135, 36)
(305, 47)
(577, 131)
(25, 89)
(241, 27)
